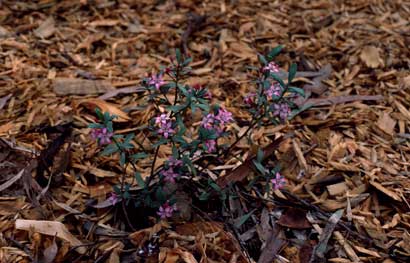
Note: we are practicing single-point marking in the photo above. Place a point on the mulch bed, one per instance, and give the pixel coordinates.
(346, 158)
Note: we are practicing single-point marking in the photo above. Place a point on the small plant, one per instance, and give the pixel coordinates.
(270, 103)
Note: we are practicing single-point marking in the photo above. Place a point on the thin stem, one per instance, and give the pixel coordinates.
(153, 166)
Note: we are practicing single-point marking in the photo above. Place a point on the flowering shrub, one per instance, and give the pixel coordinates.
(270, 103)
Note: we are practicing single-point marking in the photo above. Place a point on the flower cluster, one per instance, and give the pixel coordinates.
(170, 173)
(282, 110)
(156, 80)
(166, 210)
(217, 122)
(102, 135)
(274, 90)
(164, 124)
(200, 90)
(250, 99)
(278, 182)
(271, 67)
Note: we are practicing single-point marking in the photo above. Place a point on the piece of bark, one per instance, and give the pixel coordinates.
(69, 86)
(273, 245)
(319, 251)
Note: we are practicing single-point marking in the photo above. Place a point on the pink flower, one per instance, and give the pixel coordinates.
(274, 90)
(210, 145)
(278, 182)
(172, 162)
(169, 175)
(102, 135)
(156, 80)
(271, 67)
(164, 124)
(166, 130)
(162, 119)
(282, 110)
(249, 99)
(224, 116)
(208, 121)
(114, 198)
(166, 210)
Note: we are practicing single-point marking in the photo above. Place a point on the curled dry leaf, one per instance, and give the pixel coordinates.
(106, 107)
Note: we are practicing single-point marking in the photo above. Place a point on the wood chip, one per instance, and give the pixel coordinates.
(68, 86)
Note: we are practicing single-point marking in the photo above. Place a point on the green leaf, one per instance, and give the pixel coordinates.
(243, 219)
(109, 149)
(215, 186)
(298, 111)
(160, 142)
(292, 72)
(138, 156)
(276, 77)
(129, 137)
(259, 155)
(99, 114)
(186, 62)
(116, 189)
(259, 167)
(108, 124)
(122, 158)
(274, 52)
(178, 55)
(95, 126)
(139, 179)
(262, 59)
(159, 194)
(297, 91)
(204, 196)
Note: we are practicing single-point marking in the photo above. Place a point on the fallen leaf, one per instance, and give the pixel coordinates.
(386, 123)
(106, 107)
(51, 228)
(294, 218)
(371, 57)
(46, 29)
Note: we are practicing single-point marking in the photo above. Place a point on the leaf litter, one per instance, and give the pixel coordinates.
(345, 156)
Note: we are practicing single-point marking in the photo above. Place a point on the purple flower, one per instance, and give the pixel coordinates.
(102, 135)
(208, 121)
(156, 80)
(169, 175)
(282, 110)
(166, 130)
(271, 67)
(162, 119)
(274, 90)
(224, 116)
(164, 124)
(166, 210)
(210, 145)
(249, 99)
(278, 182)
(172, 162)
(114, 198)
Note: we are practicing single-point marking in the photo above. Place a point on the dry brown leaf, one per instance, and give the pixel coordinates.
(50, 228)
(106, 107)
(386, 123)
(46, 29)
(371, 57)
